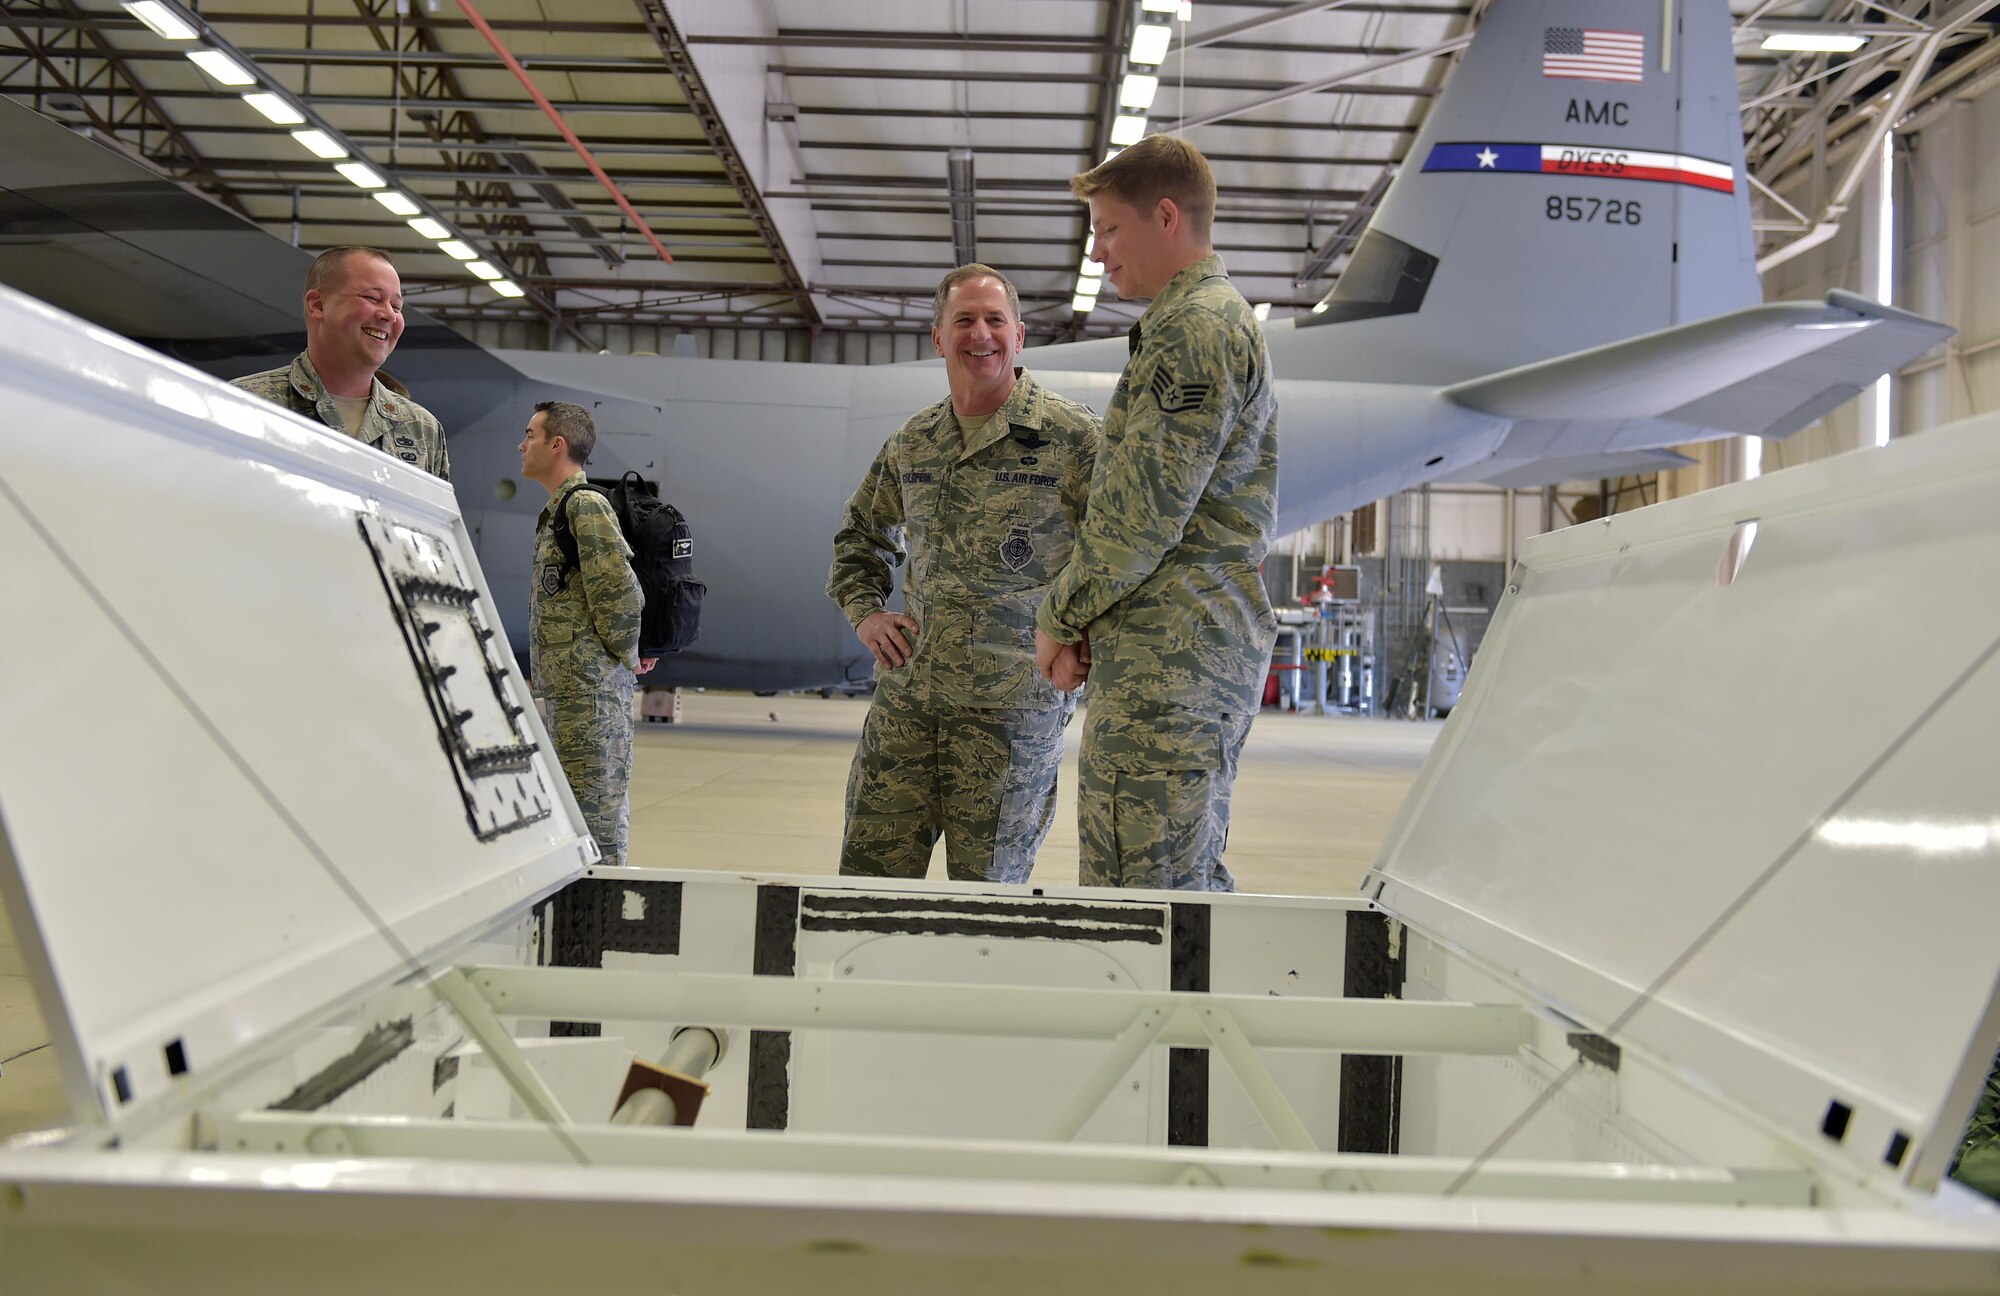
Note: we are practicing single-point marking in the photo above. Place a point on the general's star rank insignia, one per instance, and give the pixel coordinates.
(1017, 549)
(1177, 397)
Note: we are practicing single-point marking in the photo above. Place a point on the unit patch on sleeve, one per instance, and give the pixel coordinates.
(1177, 397)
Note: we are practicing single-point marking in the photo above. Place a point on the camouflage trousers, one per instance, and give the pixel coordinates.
(592, 734)
(1153, 797)
(1978, 1161)
(984, 780)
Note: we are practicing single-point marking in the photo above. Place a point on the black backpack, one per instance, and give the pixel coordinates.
(662, 558)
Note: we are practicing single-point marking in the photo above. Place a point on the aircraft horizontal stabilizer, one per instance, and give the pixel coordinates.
(1766, 371)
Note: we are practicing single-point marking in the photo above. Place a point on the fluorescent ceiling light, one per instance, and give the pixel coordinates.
(1087, 286)
(1137, 91)
(1090, 269)
(429, 228)
(506, 288)
(397, 202)
(224, 69)
(1160, 6)
(1149, 43)
(275, 109)
(1262, 310)
(457, 251)
(1111, 153)
(1128, 128)
(484, 270)
(361, 175)
(166, 24)
(1083, 305)
(1804, 43)
(319, 144)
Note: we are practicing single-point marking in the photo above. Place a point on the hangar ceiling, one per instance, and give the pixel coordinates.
(811, 164)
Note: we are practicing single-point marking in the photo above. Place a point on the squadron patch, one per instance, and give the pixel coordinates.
(552, 581)
(683, 548)
(1017, 550)
(1177, 397)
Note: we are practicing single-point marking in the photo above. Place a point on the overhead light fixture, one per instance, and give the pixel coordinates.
(1262, 310)
(1082, 305)
(1137, 91)
(1150, 42)
(275, 109)
(1128, 128)
(483, 269)
(1090, 269)
(457, 251)
(397, 202)
(506, 288)
(319, 144)
(164, 22)
(361, 175)
(222, 68)
(1810, 43)
(1087, 286)
(429, 228)
(1111, 153)
(1160, 6)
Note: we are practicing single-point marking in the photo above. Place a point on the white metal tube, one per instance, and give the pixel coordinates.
(1265, 1096)
(485, 1027)
(787, 1003)
(1126, 1049)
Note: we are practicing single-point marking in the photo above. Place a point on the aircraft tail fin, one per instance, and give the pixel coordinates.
(1766, 371)
(1579, 180)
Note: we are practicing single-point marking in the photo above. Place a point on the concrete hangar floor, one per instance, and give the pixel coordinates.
(755, 784)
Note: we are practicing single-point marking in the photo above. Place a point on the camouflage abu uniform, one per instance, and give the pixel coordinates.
(392, 424)
(1165, 581)
(964, 738)
(583, 632)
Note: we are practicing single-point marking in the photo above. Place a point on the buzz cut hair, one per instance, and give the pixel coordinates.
(1158, 166)
(326, 269)
(573, 424)
(972, 270)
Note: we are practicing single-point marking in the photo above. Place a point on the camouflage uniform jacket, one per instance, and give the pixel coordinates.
(583, 628)
(1182, 508)
(392, 424)
(986, 525)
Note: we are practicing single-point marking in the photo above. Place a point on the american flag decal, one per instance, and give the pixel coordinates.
(1593, 54)
(1177, 397)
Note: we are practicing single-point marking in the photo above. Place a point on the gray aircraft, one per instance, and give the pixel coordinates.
(1559, 283)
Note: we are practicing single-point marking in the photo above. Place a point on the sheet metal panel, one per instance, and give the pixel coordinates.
(230, 797)
(1768, 797)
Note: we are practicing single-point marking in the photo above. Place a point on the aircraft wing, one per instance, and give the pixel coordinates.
(1766, 371)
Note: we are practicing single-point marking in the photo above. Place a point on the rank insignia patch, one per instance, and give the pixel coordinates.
(1177, 397)
(1017, 549)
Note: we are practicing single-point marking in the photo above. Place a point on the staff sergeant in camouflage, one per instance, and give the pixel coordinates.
(354, 315)
(985, 490)
(1164, 577)
(583, 624)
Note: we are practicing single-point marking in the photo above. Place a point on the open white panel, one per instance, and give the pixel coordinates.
(260, 742)
(1741, 745)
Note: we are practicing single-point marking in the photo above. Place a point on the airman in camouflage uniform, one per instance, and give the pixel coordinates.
(354, 316)
(964, 738)
(1164, 579)
(583, 624)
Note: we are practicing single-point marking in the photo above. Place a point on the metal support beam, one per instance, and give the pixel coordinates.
(679, 58)
(784, 1003)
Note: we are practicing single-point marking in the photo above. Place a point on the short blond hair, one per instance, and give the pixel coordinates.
(1158, 166)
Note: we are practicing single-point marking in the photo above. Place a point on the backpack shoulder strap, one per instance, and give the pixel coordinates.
(559, 525)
